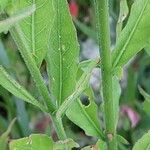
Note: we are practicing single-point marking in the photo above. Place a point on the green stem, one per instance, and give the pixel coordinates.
(102, 19)
(58, 125)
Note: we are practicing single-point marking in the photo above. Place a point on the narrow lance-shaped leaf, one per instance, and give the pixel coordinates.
(62, 56)
(35, 28)
(13, 87)
(143, 143)
(135, 35)
(15, 18)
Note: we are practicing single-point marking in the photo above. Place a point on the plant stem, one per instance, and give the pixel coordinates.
(58, 125)
(102, 19)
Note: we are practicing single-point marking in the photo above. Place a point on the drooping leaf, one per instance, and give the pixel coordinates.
(62, 56)
(61, 145)
(135, 35)
(13, 87)
(4, 136)
(36, 28)
(33, 142)
(86, 117)
(146, 104)
(143, 143)
(15, 18)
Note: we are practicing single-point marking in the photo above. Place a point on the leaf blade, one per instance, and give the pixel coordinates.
(62, 56)
(133, 38)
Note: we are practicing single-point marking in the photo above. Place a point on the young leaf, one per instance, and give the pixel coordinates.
(15, 18)
(62, 56)
(33, 142)
(143, 143)
(135, 35)
(4, 136)
(86, 117)
(35, 28)
(13, 87)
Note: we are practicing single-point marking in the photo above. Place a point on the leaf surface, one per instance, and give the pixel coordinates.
(86, 117)
(33, 142)
(36, 28)
(135, 35)
(62, 56)
(143, 143)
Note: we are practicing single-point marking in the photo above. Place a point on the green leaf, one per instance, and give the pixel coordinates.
(135, 35)
(61, 145)
(4, 136)
(15, 18)
(62, 57)
(86, 117)
(33, 142)
(124, 10)
(13, 87)
(146, 104)
(41, 142)
(143, 143)
(36, 28)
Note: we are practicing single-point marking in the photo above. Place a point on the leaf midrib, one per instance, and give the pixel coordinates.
(131, 35)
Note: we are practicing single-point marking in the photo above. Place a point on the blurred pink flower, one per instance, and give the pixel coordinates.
(131, 114)
(73, 8)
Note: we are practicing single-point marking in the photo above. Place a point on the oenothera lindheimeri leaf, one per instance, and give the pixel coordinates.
(4, 136)
(146, 104)
(143, 143)
(86, 117)
(62, 56)
(41, 142)
(35, 28)
(135, 35)
(16, 17)
(13, 87)
(33, 142)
